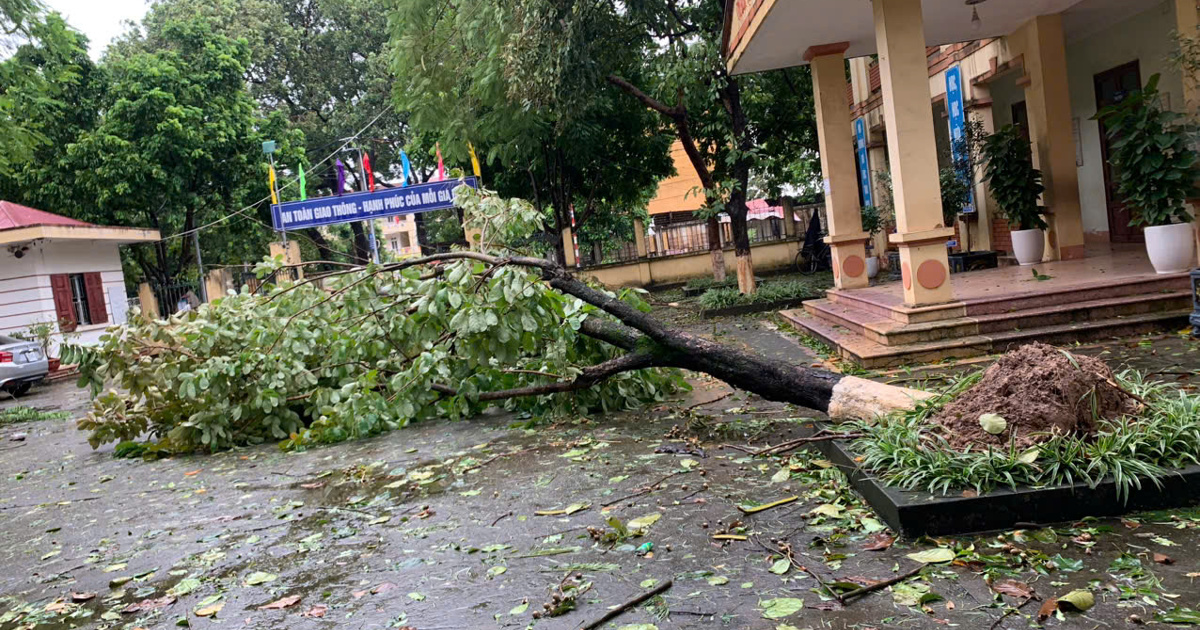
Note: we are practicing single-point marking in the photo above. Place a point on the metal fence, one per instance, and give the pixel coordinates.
(180, 296)
(690, 237)
(598, 254)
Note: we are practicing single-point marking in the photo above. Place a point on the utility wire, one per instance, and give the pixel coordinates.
(288, 184)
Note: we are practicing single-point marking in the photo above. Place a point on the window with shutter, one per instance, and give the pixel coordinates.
(95, 298)
(64, 307)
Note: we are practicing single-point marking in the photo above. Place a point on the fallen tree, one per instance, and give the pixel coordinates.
(444, 335)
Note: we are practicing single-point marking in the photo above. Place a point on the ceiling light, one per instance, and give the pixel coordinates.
(976, 23)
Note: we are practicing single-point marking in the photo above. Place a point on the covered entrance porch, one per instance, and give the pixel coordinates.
(1021, 59)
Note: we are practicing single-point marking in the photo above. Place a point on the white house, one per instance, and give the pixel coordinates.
(56, 269)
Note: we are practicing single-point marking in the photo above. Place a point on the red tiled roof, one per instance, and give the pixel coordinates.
(13, 216)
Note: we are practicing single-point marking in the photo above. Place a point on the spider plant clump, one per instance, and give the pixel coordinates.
(911, 453)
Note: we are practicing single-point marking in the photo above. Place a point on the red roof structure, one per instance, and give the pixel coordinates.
(13, 216)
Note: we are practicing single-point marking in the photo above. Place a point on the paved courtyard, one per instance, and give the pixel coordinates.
(479, 524)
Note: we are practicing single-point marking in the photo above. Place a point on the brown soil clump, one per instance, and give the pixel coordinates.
(1041, 393)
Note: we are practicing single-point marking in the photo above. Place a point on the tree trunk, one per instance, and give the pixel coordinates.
(715, 249)
(362, 247)
(741, 242)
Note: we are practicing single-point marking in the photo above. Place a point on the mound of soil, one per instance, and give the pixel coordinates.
(1041, 392)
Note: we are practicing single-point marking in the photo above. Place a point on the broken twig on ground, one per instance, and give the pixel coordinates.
(646, 490)
(616, 612)
(824, 435)
(881, 585)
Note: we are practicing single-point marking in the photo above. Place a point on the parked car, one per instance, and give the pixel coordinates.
(22, 365)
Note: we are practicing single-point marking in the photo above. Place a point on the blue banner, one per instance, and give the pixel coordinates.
(864, 165)
(955, 107)
(365, 206)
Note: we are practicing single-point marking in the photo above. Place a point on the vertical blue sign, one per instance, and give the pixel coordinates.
(864, 167)
(955, 107)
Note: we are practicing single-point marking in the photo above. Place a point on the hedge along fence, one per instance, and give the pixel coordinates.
(770, 296)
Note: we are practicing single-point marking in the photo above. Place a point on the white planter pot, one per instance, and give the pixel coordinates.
(1172, 248)
(1028, 246)
(872, 267)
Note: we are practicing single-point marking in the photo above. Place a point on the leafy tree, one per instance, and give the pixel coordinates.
(729, 126)
(323, 65)
(467, 74)
(60, 101)
(23, 83)
(177, 148)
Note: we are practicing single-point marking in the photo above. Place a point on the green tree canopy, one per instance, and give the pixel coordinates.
(466, 75)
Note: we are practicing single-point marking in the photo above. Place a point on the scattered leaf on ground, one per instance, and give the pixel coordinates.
(1013, 588)
(1077, 600)
(279, 604)
(781, 566)
(879, 542)
(781, 607)
(932, 556)
(260, 577)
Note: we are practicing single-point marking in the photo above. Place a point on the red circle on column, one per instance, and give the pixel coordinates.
(931, 274)
(906, 275)
(854, 266)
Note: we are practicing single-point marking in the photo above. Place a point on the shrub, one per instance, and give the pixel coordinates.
(1152, 150)
(768, 292)
(1012, 180)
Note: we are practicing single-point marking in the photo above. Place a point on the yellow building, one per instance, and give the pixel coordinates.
(400, 236)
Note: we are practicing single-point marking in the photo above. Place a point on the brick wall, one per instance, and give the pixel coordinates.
(1001, 239)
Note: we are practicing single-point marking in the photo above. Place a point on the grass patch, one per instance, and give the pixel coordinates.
(767, 293)
(909, 453)
(14, 415)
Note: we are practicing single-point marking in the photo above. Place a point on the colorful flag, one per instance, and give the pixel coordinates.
(441, 173)
(303, 185)
(407, 167)
(341, 177)
(271, 181)
(474, 160)
(370, 173)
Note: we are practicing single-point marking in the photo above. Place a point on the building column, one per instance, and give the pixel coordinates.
(639, 238)
(568, 240)
(981, 236)
(846, 237)
(912, 152)
(291, 256)
(148, 301)
(1048, 100)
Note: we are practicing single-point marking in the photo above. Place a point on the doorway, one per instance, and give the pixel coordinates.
(1111, 87)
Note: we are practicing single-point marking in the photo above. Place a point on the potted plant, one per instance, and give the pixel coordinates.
(872, 223)
(1016, 187)
(1156, 171)
(43, 333)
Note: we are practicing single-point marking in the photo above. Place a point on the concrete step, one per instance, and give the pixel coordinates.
(1037, 296)
(857, 348)
(888, 332)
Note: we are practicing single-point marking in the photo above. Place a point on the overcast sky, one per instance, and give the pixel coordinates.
(100, 20)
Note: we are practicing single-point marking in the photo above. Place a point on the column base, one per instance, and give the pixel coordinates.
(850, 265)
(925, 273)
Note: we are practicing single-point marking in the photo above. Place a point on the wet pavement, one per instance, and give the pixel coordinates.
(437, 526)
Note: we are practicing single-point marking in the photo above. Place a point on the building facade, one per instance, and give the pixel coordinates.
(61, 271)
